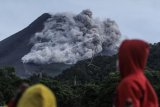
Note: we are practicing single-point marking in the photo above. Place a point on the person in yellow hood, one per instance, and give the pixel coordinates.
(37, 96)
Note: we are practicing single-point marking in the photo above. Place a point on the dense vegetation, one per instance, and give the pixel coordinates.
(89, 83)
(91, 70)
(154, 57)
(88, 94)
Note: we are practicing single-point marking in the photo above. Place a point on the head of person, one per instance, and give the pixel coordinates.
(37, 96)
(132, 56)
(17, 96)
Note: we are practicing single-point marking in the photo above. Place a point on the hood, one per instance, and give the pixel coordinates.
(37, 96)
(132, 55)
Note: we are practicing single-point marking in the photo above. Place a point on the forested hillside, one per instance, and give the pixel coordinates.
(154, 57)
(89, 83)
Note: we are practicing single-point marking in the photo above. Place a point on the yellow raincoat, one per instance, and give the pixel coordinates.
(37, 96)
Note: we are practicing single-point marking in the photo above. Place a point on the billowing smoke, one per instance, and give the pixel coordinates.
(68, 38)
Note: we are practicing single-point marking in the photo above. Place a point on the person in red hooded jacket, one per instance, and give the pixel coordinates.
(134, 90)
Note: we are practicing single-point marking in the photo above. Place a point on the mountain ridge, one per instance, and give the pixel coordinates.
(16, 46)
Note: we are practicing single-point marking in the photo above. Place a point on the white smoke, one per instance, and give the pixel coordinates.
(68, 38)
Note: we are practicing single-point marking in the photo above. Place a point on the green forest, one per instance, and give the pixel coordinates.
(89, 83)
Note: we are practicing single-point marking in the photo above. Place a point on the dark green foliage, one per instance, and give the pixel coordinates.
(107, 90)
(154, 78)
(91, 94)
(8, 84)
(90, 70)
(154, 56)
(89, 83)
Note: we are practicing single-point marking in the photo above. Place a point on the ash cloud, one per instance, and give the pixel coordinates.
(68, 38)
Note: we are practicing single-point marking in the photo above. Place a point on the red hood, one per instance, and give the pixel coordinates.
(132, 55)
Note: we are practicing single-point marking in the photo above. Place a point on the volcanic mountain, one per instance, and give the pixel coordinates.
(13, 48)
(53, 43)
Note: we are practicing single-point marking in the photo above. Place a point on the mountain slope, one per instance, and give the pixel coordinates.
(54, 42)
(17, 45)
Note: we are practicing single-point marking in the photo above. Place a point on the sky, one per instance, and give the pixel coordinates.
(138, 19)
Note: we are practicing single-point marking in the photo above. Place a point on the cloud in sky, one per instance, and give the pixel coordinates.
(136, 18)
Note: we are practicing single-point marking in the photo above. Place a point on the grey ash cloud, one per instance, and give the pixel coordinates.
(68, 38)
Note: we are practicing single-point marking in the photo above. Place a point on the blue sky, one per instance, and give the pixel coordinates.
(136, 18)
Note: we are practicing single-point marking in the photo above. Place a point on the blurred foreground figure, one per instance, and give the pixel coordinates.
(13, 102)
(134, 89)
(37, 96)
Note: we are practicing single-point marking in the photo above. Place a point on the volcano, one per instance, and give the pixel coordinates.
(13, 48)
(53, 43)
